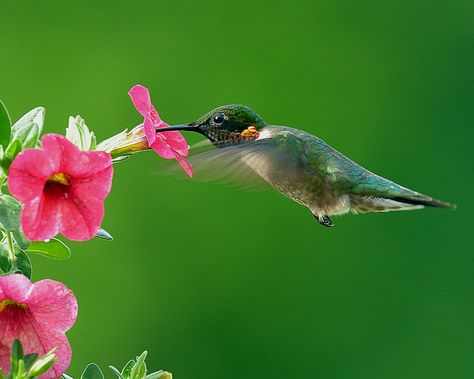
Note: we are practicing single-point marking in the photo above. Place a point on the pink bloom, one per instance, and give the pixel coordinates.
(38, 315)
(62, 189)
(167, 144)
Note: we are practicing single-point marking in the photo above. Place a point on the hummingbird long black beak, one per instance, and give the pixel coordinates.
(186, 127)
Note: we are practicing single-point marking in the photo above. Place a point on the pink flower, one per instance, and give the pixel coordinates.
(62, 189)
(38, 315)
(167, 144)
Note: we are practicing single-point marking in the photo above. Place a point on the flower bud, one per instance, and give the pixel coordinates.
(126, 142)
(42, 364)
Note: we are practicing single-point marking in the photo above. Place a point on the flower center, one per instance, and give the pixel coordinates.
(59, 178)
(7, 303)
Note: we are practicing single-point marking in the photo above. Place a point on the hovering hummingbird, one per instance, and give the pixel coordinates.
(299, 165)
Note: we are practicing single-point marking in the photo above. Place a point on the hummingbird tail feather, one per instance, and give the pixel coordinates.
(425, 201)
(385, 202)
(365, 204)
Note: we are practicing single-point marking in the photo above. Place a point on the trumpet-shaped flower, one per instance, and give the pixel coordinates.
(38, 315)
(62, 189)
(167, 144)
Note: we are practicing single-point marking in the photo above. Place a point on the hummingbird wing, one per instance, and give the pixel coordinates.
(369, 192)
(234, 166)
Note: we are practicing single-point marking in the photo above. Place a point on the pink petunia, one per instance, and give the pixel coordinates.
(62, 189)
(167, 144)
(38, 315)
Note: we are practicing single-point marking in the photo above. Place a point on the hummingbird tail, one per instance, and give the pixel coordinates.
(387, 202)
(425, 201)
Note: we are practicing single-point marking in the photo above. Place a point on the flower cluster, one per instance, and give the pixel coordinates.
(53, 185)
(38, 315)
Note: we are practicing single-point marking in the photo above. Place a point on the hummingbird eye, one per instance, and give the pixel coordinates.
(218, 119)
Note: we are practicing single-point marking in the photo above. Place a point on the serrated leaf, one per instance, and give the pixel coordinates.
(92, 371)
(53, 248)
(23, 262)
(104, 234)
(5, 126)
(79, 134)
(9, 212)
(21, 128)
(20, 239)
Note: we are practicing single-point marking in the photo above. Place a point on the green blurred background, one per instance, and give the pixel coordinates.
(219, 283)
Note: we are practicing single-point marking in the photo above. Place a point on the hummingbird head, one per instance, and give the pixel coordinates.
(225, 125)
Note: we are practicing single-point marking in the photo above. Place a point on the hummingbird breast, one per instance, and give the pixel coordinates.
(286, 170)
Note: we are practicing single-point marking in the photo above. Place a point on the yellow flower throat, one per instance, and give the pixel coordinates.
(60, 178)
(10, 303)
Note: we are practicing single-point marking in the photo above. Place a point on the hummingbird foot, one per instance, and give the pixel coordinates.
(324, 220)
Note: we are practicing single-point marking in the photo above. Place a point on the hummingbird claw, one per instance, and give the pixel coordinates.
(324, 220)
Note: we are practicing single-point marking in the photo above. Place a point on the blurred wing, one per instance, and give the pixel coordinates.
(237, 166)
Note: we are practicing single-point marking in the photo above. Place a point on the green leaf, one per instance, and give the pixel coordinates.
(116, 372)
(158, 375)
(29, 360)
(139, 369)
(79, 134)
(53, 248)
(5, 126)
(28, 135)
(104, 234)
(5, 264)
(20, 239)
(120, 158)
(17, 355)
(29, 127)
(10, 153)
(128, 369)
(23, 262)
(9, 212)
(92, 371)
(42, 364)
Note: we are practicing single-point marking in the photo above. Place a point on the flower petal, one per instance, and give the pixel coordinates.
(14, 287)
(97, 185)
(149, 130)
(43, 312)
(40, 218)
(176, 141)
(162, 148)
(54, 305)
(167, 144)
(141, 99)
(81, 217)
(74, 161)
(28, 173)
(21, 324)
(185, 164)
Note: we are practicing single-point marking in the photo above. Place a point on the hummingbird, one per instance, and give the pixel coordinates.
(296, 163)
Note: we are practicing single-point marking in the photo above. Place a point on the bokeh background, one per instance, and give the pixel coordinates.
(219, 283)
